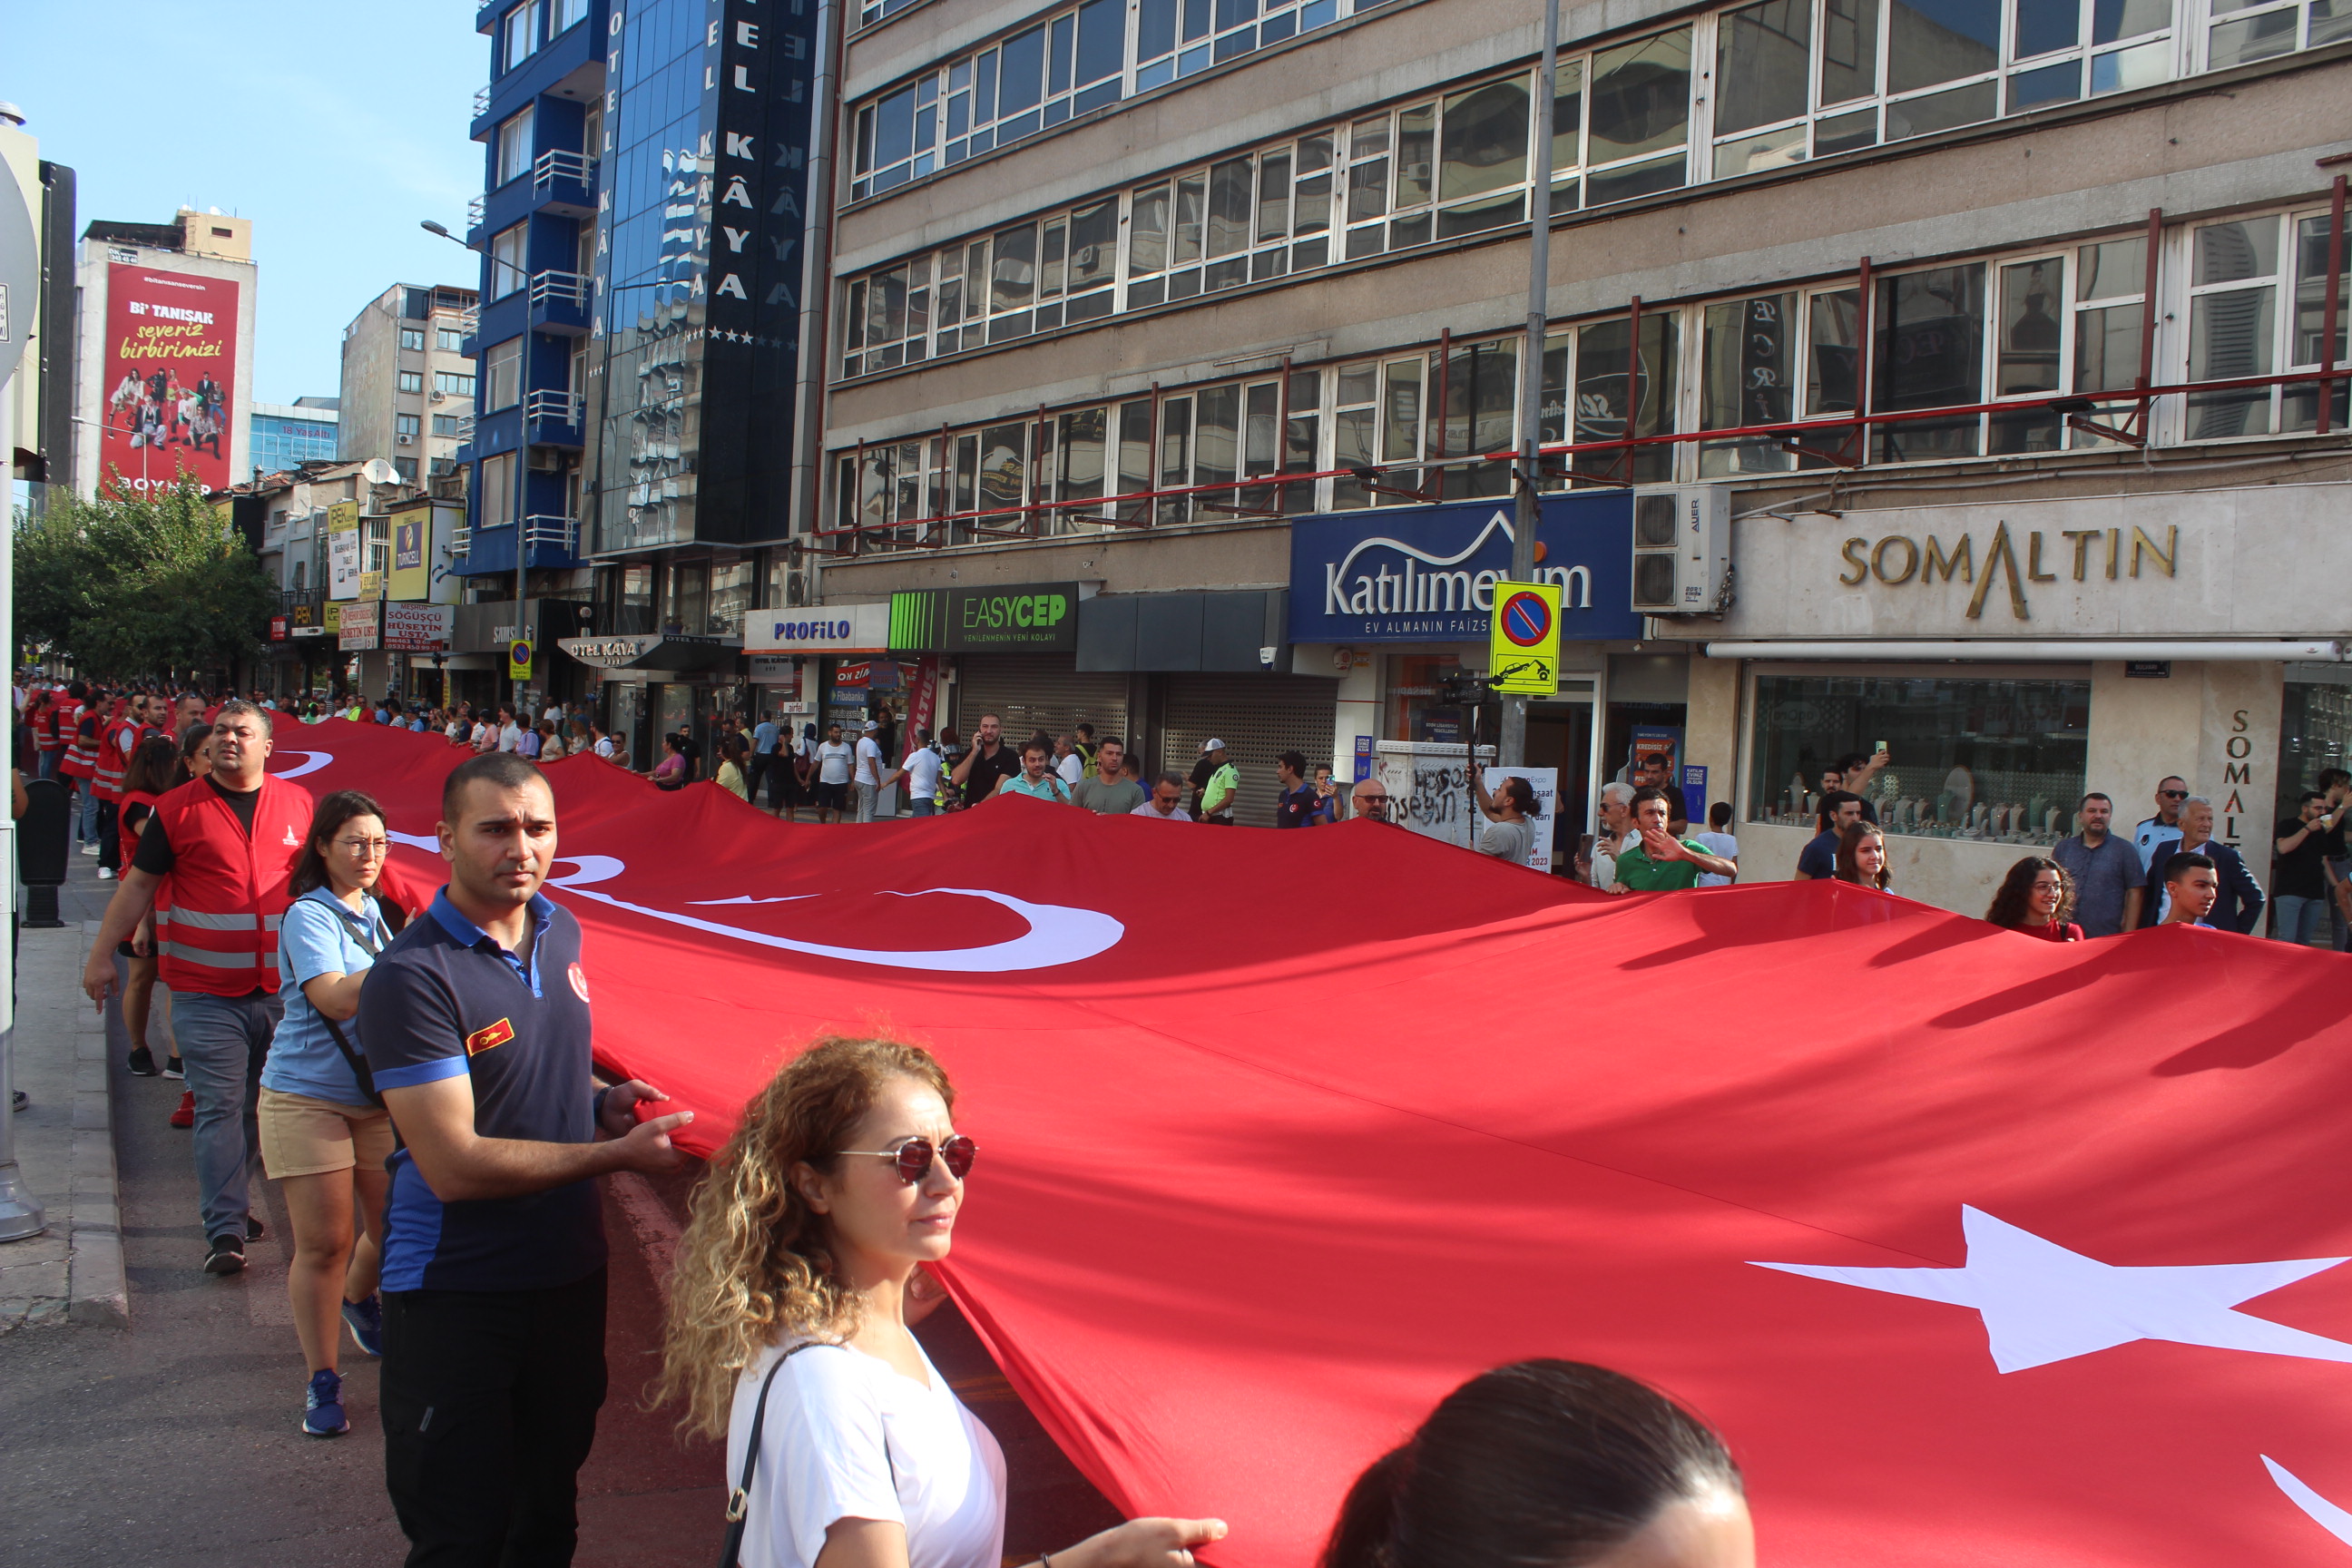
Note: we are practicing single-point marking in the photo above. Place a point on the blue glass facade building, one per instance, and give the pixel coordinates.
(641, 227)
(284, 437)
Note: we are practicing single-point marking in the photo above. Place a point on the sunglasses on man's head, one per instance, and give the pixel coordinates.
(914, 1157)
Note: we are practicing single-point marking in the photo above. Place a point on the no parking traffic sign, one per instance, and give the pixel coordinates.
(1523, 650)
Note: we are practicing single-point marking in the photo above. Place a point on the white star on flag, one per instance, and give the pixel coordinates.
(2041, 1303)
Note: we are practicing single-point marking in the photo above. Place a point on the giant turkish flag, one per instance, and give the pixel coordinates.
(1977, 1249)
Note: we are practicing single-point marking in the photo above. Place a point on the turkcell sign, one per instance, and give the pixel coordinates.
(1428, 573)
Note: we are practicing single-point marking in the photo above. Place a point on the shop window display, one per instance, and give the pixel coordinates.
(1993, 760)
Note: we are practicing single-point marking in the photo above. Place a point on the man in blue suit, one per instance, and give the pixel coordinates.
(2240, 906)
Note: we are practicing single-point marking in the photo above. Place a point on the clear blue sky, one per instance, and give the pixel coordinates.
(333, 124)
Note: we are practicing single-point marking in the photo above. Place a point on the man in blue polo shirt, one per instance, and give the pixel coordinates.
(476, 1025)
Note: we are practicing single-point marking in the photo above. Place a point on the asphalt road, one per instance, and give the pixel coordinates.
(178, 1441)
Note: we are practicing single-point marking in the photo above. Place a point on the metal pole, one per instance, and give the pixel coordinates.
(1511, 744)
(21, 1214)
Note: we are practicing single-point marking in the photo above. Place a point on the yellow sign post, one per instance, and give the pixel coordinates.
(1523, 647)
(519, 658)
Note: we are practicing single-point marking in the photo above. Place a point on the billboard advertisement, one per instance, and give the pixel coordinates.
(343, 550)
(412, 554)
(169, 371)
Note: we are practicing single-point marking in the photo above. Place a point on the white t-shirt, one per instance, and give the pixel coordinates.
(1722, 844)
(847, 1437)
(923, 774)
(869, 760)
(510, 738)
(1148, 809)
(833, 762)
(1072, 768)
(605, 746)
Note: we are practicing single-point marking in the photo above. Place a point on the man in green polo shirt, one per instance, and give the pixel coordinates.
(1660, 862)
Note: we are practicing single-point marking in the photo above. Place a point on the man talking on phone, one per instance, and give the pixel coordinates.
(476, 1030)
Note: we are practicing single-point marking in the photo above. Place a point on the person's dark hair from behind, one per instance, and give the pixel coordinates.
(2179, 866)
(505, 770)
(1719, 815)
(1546, 1462)
(1521, 794)
(154, 767)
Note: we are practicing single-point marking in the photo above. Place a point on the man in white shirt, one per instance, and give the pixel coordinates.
(833, 758)
(1618, 834)
(869, 771)
(922, 771)
(1067, 763)
(1162, 805)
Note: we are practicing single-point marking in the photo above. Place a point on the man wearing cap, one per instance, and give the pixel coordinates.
(869, 770)
(1216, 782)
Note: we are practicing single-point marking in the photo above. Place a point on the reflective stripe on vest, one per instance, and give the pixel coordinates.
(227, 887)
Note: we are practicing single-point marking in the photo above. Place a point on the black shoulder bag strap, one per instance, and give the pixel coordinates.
(739, 1501)
(352, 1059)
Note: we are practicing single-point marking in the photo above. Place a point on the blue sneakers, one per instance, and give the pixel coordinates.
(322, 1406)
(366, 1321)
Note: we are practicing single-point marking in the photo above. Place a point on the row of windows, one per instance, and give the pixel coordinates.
(2022, 327)
(444, 425)
(447, 383)
(1791, 80)
(523, 31)
(449, 340)
(1070, 64)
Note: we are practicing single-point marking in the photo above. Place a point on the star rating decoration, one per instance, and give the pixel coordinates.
(2042, 1303)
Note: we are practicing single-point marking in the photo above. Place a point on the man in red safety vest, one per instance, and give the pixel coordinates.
(218, 850)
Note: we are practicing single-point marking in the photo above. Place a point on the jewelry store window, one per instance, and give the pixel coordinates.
(1996, 761)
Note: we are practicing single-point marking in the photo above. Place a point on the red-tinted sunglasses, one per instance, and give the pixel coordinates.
(914, 1157)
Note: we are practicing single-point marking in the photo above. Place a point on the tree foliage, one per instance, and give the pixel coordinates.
(133, 589)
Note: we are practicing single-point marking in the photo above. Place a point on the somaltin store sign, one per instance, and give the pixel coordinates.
(1428, 573)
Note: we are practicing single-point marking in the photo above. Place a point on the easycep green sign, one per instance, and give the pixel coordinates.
(1039, 617)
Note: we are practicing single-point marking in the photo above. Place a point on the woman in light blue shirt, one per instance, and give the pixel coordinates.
(324, 1136)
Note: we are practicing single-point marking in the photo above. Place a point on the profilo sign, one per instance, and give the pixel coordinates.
(820, 628)
(1428, 573)
(1030, 618)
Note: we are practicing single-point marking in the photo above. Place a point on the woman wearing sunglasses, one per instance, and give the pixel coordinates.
(797, 1278)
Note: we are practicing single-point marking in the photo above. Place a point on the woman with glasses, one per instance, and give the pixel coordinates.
(324, 1134)
(798, 1277)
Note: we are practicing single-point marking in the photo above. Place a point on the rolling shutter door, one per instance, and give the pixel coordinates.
(1038, 691)
(1257, 717)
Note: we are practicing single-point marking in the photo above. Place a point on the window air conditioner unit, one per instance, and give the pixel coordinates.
(546, 460)
(438, 394)
(405, 441)
(1682, 550)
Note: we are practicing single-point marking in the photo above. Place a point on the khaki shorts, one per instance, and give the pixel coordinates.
(304, 1136)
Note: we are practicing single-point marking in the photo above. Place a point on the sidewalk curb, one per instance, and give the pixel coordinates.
(99, 1291)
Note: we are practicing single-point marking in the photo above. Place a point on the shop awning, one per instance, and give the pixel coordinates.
(651, 650)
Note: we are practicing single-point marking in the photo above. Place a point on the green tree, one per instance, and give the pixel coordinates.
(128, 589)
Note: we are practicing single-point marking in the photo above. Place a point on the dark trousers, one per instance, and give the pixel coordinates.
(109, 840)
(489, 1405)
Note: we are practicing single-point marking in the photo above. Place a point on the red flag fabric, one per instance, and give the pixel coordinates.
(1977, 1248)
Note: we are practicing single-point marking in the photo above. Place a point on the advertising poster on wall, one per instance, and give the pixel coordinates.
(412, 554)
(169, 371)
(343, 550)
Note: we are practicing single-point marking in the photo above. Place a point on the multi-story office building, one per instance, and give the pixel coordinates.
(285, 436)
(2005, 339)
(164, 351)
(408, 384)
(642, 232)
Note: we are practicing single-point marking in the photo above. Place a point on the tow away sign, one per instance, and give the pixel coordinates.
(1523, 649)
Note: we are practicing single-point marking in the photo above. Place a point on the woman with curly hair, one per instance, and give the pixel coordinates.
(797, 1278)
(2035, 898)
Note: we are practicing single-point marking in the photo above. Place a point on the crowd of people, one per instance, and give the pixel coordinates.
(429, 1108)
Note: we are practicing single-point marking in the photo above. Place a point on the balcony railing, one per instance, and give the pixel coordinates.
(474, 211)
(559, 288)
(543, 532)
(482, 102)
(553, 407)
(465, 430)
(562, 164)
